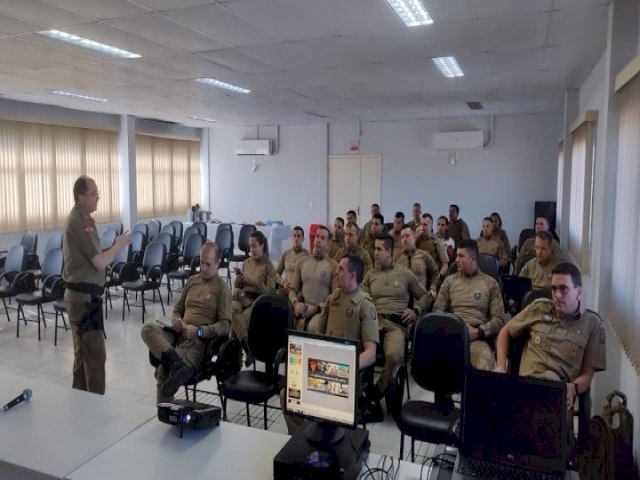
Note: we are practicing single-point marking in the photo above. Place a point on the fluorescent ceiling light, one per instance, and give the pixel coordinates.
(203, 119)
(91, 44)
(217, 83)
(411, 12)
(78, 96)
(448, 66)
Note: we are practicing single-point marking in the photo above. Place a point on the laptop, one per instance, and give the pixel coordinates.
(515, 287)
(512, 427)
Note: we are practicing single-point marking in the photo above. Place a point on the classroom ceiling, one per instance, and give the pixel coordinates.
(305, 61)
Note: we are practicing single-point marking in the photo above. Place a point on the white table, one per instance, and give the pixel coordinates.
(60, 428)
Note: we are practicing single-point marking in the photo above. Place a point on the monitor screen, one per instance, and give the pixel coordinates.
(322, 378)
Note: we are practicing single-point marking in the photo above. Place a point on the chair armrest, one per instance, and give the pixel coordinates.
(195, 263)
(128, 272)
(228, 361)
(53, 287)
(172, 262)
(281, 357)
(155, 273)
(584, 414)
(24, 282)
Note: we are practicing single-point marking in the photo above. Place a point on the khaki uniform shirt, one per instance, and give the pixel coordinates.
(359, 252)
(540, 274)
(350, 315)
(81, 243)
(475, 298)
(430, 244)
(559, 349)
(396, 240)
(423, 267)
(493, 246)
(392, 288)
(313, 280)
(502, 235)
(262, 272)
(529, 248)
(207, 304)
(335, 244)
(458, 230)
(288, 262)
(369, 245)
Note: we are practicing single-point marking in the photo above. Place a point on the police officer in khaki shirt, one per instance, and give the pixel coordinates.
(476, 298)
(565, 344)
(312, 283)
(428, 242)
(368, 241)
(336, 240)
(489, 244)
(84, 273)
(257, 277)
(529, 246)
(539, 269)
(348, 313)
(289, 259)
(203, 311)
(457, 229)
(420, 263)
(392, 287)
(351, 247)
(366, 232)
(416, 211)
(398, 223)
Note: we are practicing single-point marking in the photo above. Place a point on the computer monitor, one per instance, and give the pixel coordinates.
(323, 384)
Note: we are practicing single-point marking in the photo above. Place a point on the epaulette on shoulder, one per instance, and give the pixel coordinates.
(595, 313)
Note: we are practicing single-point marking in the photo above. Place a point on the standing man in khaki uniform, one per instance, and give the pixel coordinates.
(84, 273)
(351, 247)
(392, 288)
(352, 217)
(312, 283)
(476, 298)
(377, 227)
(258, 277)
(489, 244)
(427, 242)
(539, 269)
(443, 237)
(529, 247)
(336, 241)
(348, 313)
(416, 211)
(457, 229)
(565, 343)
(203, 311)
(398, 223)
(289, 259)
(420, 263)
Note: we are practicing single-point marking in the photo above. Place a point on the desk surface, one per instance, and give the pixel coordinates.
(60, 428)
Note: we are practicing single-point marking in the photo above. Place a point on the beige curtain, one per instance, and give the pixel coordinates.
(560, 186)
(625, 287)
(38, 166)
(168, 175)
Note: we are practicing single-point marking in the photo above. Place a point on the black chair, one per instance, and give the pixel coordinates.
(224, 240)
(439, 361)
(170, 229)
(521, 262)
(60, 307)
(271, 317)
(53, 241)
(532, 295)
(243, 243)
(185, 236)
(202, 228)
(29, 241)
(153, 267)
(138, 244)
(51, 289)
(121, 270)
(15, 263)
(489, 266)
(191, 261)
(525, 234)
(178, 228)
(153, 227)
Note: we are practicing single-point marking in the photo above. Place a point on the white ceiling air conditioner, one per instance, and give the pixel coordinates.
(255, 147)
(470, 140)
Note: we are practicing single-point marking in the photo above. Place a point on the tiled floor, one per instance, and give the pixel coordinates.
(128, 370)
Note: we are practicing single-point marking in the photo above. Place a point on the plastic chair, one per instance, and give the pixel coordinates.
(489, 266)
(224, 240)
(16, 262)
(153, 266)
(243, 243)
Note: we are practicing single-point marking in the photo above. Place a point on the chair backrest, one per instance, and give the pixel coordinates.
(224, 240)
(155, 255)
(29, 241)
(192, 247)
(154, 227)
(202, 228)
(440, 353)
(53, 263)
(224, 226)
(138, 239)
(524, 235)
(123, 255)
(532, 295)
(271, 317)
(54, 241)
(177, 227)
(107, 238)
(489, 266)
(16, 261)
(170, 229)
(141, 227)
(243, 238)
(521, 262)
(166, 238)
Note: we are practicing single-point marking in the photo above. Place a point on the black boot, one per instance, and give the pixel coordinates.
(177, 372)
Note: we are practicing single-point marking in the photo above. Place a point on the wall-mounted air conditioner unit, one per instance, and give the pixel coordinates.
(255, 147)
(470, 140)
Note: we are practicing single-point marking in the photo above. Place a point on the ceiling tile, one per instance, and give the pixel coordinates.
(502, 8)
(100, 9)
(11, 25)
(39, 12)
(514, 32)
(237, 60)
(25, 54)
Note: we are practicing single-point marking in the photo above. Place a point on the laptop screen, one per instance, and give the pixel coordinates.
(515, 421)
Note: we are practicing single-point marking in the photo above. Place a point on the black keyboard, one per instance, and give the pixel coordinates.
(494, 471)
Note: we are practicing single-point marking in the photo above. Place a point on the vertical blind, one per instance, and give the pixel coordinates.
(625, 284)
(560, 184)
(38, 166)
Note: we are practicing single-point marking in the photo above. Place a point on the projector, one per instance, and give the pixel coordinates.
(186, 414)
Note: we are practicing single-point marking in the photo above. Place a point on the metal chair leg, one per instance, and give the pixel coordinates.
(248, 416)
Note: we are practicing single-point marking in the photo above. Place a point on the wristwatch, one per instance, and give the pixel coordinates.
(200, 332)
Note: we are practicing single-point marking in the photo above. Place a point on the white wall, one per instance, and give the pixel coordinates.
(292, 184)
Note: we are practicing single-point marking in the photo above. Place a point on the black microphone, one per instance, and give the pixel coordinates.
(23, 397)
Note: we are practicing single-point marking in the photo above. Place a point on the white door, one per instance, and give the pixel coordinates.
(354, 184)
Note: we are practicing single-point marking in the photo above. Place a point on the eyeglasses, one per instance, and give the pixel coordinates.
(561, 289)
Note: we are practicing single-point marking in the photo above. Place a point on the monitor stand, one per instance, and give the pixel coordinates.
(323, 435)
